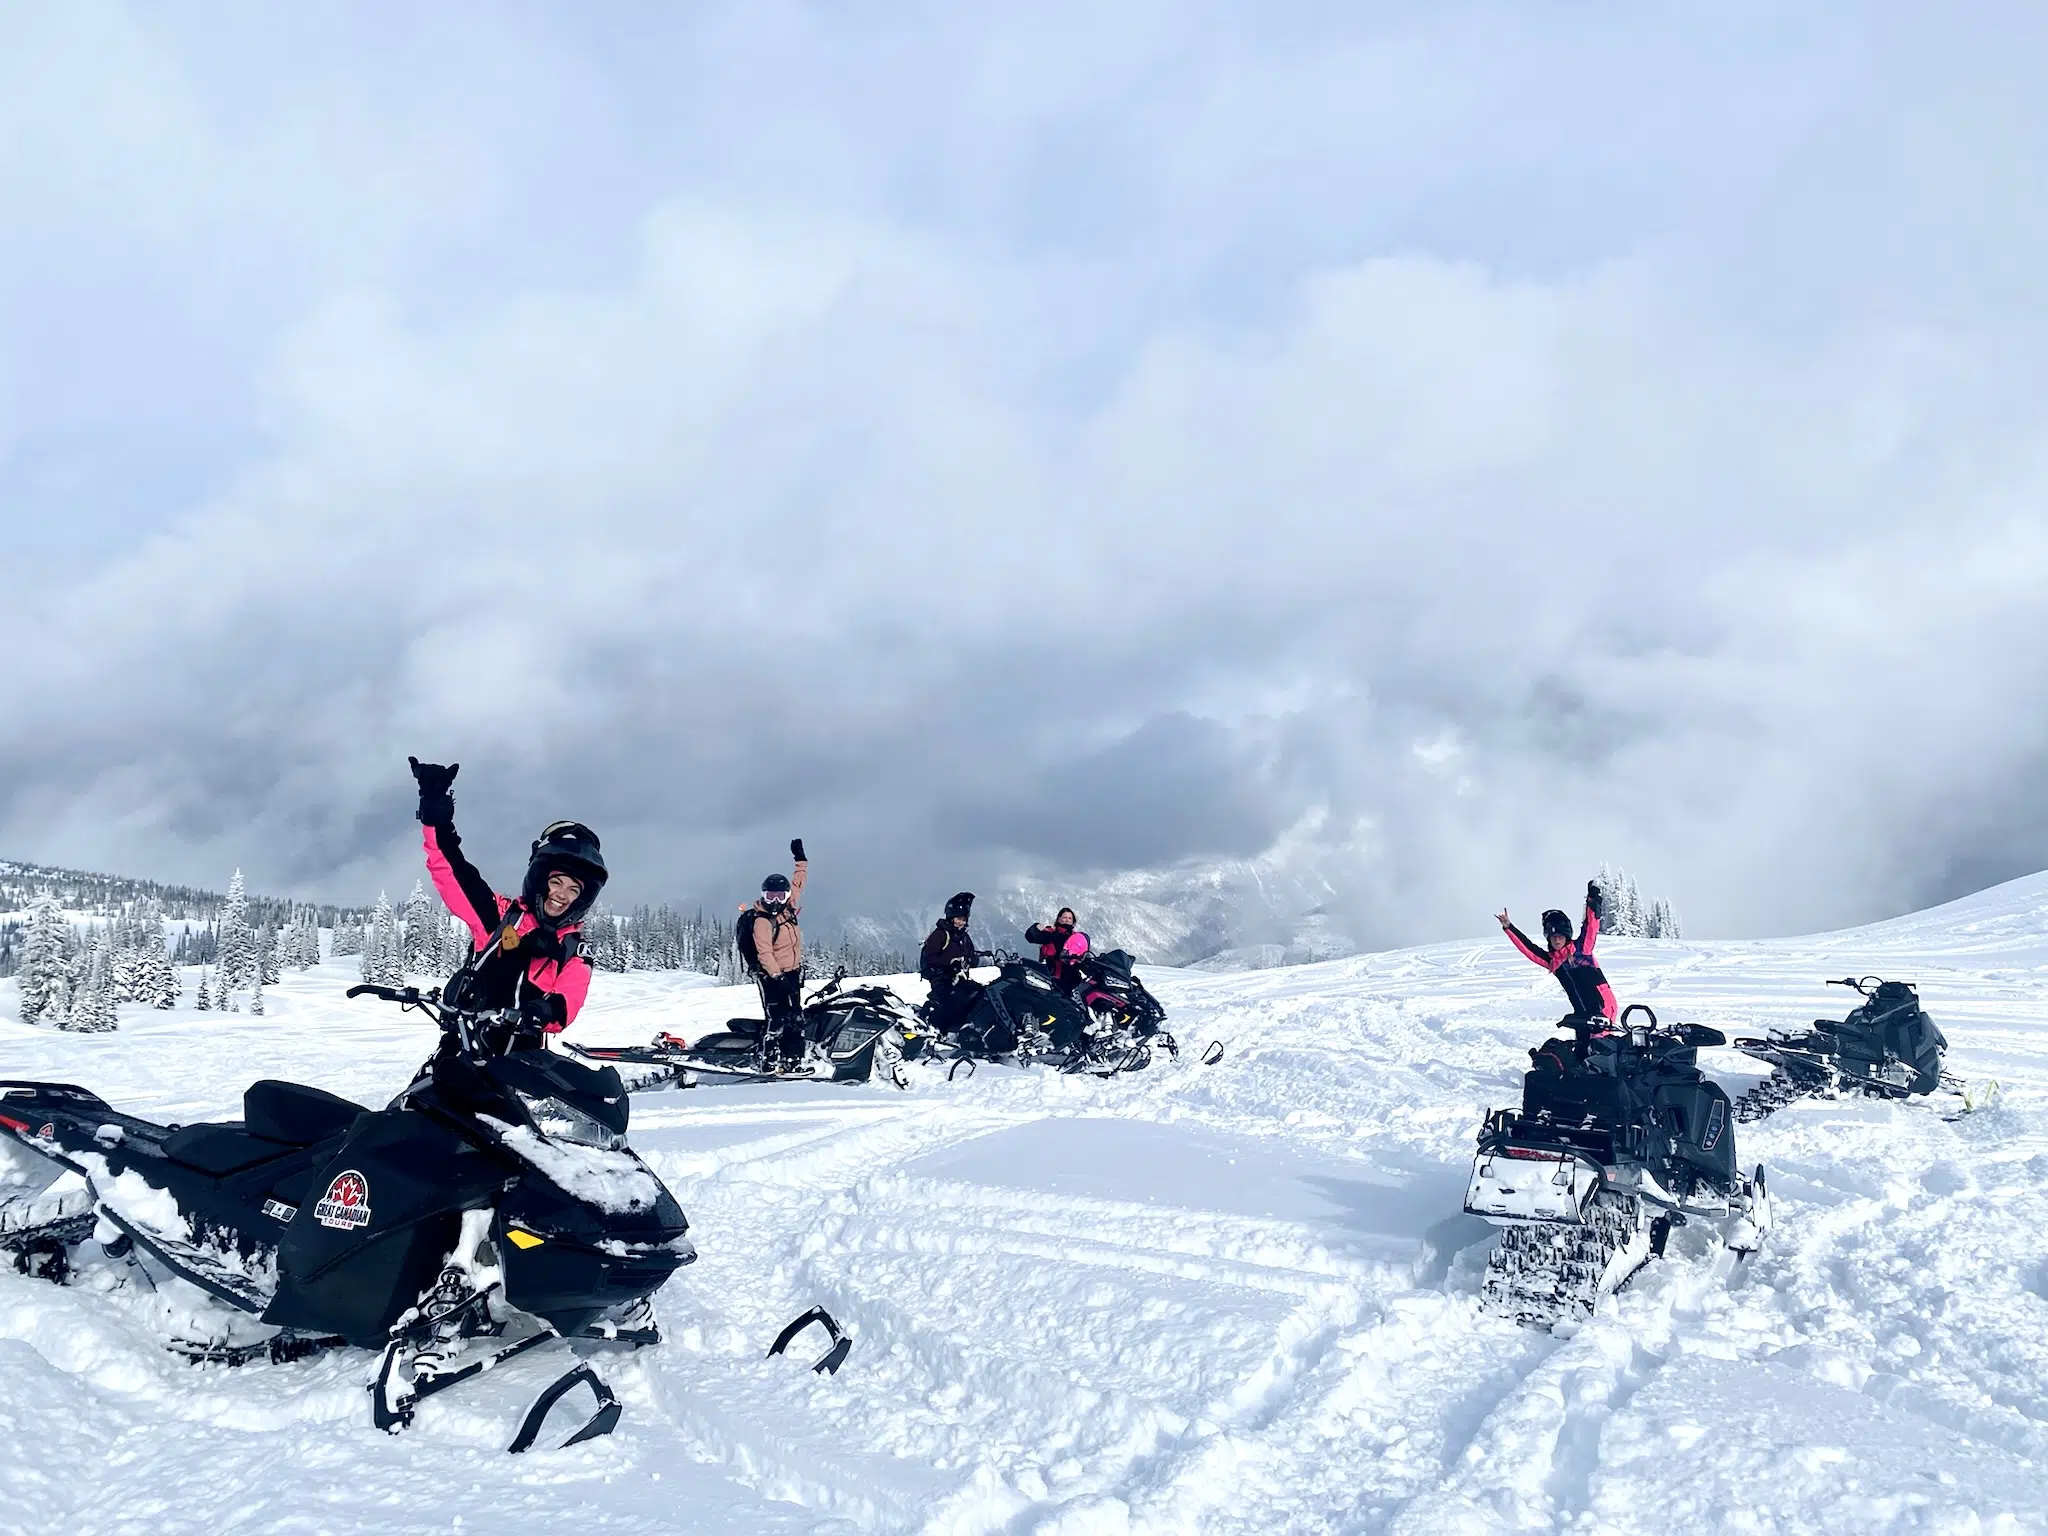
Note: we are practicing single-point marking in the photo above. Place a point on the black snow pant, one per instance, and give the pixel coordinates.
(949, 1005)
(782, 1004)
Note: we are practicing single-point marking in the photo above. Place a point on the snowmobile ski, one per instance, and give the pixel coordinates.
(601, 1422)
(828, 1364)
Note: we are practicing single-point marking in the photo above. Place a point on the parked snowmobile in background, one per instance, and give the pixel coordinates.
(1128, 1019)
(1110, 1023)
(494, 1207)
(1887, 1048)
(852, 1035)
(1619, 1139)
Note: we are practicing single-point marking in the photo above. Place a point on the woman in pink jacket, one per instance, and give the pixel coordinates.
(525, 951)
(1570, 960)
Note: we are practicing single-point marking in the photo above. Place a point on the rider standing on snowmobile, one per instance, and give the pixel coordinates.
(1057, 951)
(1570, 960)
(525, 952)
(947, 956)
(778, 954)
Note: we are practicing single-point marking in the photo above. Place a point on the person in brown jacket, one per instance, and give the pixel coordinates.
(778, 959)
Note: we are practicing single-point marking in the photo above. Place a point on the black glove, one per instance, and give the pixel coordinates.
(437, 806)
(796, 850)
(1593, 897)
(542, 1010)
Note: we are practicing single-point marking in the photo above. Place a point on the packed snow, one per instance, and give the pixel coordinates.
(1232, 1298)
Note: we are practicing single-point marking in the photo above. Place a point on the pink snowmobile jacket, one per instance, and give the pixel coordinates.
(483, 911)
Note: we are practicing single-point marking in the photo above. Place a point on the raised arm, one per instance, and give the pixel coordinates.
(465, 891)
(1520, 940)
(460, 884)
(1589, 930)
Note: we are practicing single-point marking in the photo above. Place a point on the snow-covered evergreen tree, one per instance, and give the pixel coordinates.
(44, 974)
(383, 956)
(348, 938)
(92, 1006)
(256, 998)
(237, 965)
(203, 998)
(266, 953)
(422, 936)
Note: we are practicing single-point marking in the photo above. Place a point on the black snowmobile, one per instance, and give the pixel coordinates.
(851, 1035)
(1620, 1138)
(1108, 1024)
(493, 1207)
(1887, 1048)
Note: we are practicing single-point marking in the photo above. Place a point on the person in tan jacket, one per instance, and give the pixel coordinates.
(778, 960)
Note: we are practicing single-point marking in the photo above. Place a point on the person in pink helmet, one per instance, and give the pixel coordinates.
(1060, 948)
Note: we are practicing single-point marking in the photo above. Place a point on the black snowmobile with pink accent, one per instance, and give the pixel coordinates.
(493, 1208)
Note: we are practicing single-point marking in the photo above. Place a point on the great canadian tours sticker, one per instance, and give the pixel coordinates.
(346, 1203)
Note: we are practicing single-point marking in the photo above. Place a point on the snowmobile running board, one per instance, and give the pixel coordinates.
(833, 1358)
(184, 1268)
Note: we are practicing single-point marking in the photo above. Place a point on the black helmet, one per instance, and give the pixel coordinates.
(1556, 925)
(568, 848)
(775, 883)
(960, 905)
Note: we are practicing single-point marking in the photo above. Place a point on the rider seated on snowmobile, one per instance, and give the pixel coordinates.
(944, 962)
(776, 957)
(1571, 961)
(525, 951)
(1060, 949)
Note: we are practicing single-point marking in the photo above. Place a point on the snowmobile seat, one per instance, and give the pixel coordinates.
(295, 1114)
(221, 1149)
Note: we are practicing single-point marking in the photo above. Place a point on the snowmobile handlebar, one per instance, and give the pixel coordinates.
(456, 1021)
(1863, 984)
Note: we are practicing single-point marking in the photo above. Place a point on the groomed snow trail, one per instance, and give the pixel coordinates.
(1237, 1298)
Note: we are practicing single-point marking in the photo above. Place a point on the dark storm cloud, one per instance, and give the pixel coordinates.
(1438, 451)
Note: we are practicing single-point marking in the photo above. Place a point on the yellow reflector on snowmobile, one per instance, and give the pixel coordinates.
(523, 1239)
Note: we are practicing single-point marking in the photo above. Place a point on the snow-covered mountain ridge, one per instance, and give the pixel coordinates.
(1232, 1299)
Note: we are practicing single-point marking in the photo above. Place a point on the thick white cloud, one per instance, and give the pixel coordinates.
(1492, 445)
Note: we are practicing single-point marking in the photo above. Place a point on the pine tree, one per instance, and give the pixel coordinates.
(383, 958)
(92, 1008)
(266, 954)
(237, 962)
(203, 999)
(43, 972)
(256, 999)
(422, 941)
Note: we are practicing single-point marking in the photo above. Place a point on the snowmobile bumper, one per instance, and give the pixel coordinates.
(1522, 1182)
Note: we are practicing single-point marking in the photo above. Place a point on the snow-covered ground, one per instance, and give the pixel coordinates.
(1237, 1298)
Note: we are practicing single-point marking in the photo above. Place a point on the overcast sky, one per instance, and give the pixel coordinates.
(1475, 442)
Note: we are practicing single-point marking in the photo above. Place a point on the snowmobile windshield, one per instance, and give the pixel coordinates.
(558, 1091)
(559, 1120)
